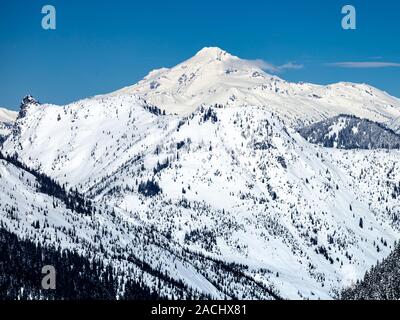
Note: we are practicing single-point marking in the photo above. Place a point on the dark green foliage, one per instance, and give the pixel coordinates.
(180, 144)
(155, 110)
(281, 160)
(161, 166)
(209, 114)
(355, 133)
(382, 282)
(205, 238)
(77, 277)
(72, 199)
(149, 188)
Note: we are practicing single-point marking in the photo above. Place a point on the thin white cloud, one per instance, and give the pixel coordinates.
(365, 65)
(269, 67)
(291, 66)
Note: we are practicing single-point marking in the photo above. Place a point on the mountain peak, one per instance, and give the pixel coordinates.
(28, 100)
(213, 53)
(214, 76)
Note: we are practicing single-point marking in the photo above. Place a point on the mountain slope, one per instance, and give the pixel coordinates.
(234, 185)
(245, 190)
(86, 139)
(382, 282)
(117, 238)
(7, 118)
(350, 132)
(395, 124)
(213, 76)
(77, 277)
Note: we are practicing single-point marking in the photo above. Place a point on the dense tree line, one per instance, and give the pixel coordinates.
(209, 114)
(154, 110)
(382, 282)
(149, 188)
(72, 198)
(77, 277)
(355, 133)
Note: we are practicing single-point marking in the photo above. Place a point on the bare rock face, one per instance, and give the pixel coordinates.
(25, 103)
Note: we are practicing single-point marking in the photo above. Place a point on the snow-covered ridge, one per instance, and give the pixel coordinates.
(214, 76)
(350, 132)
(233, 183)
(7, 116)
(395, 124)
(79, 134)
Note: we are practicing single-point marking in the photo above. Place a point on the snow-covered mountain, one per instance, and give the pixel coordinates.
(350, 132)
(212, 195)
(395, 124)
(7, 118)
(214, 76)
(232, 184)
(135, 250)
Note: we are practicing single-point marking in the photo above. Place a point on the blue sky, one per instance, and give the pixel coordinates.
(100, 46)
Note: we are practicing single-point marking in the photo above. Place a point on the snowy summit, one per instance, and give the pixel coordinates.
(213, 76)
